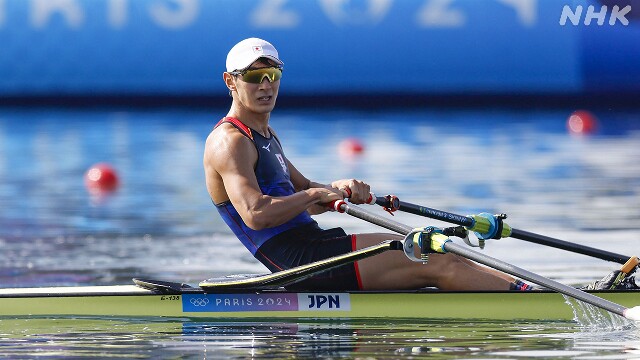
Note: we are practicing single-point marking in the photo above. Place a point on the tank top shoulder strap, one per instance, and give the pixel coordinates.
(244, 129)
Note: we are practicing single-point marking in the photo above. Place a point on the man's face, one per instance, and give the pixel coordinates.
(258, 98)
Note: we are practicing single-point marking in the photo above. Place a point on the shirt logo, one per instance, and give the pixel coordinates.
(267, 147)
(282, 162)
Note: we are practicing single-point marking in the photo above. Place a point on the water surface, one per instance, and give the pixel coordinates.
(161, 224)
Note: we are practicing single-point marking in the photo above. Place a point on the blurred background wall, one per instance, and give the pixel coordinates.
(176, 49)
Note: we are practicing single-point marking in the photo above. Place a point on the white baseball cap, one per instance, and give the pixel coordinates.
(244, 53)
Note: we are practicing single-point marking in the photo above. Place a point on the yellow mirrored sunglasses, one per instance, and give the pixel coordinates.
(257, 76)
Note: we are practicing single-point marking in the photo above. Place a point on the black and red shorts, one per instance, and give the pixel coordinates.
(309, 243)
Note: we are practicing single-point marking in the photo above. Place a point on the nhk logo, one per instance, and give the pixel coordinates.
(591, 14)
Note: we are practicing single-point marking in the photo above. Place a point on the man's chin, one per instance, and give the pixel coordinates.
(264, 108)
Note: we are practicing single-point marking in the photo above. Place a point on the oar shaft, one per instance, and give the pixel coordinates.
(430, 213)
(515, 233)
(383, 222)
(535, 278)
(565, 245)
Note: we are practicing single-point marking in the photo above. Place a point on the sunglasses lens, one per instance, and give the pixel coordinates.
(258, 75)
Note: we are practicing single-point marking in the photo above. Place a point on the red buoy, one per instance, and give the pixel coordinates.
(582, 122)
(101, 178)
(351, 147)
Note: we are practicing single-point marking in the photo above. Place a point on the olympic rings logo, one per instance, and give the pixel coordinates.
(199, 301)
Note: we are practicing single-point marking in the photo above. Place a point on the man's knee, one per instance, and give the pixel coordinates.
(443, 269)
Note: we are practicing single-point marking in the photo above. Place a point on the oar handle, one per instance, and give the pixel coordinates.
(630, 265)
(335, 204)
(371, 200)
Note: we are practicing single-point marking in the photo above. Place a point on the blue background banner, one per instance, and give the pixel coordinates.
(178, 47)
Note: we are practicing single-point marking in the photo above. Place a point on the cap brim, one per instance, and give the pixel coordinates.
(270, 57)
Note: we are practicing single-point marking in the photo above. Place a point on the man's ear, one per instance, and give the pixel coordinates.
(229, 81)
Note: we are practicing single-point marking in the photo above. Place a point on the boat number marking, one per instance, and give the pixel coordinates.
(265, 302)
(170, 297)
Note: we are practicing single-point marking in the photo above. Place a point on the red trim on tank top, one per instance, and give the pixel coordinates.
(271, 261)
(355, 263)
(238, 124)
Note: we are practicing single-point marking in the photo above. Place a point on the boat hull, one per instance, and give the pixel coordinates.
(132, 301)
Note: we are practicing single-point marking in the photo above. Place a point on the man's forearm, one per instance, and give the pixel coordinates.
(313, 184)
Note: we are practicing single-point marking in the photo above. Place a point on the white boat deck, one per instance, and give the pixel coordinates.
(70, 290)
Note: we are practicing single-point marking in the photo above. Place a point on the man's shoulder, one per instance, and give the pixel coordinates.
(226, 130)
(227, 137)
(238, 124)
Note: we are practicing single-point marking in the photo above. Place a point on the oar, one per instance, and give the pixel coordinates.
(488, 226)
(299, 273)
(442, 244)
(629, 313)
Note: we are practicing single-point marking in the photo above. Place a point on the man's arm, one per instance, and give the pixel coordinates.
(301, 183)
(358, 191)
(231, 156)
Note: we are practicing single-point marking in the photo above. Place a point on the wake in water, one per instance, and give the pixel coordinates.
(595, 321)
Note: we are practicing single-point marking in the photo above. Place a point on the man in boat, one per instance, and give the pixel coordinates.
(267, 202)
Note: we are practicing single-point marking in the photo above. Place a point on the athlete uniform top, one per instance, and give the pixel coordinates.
(273, 178)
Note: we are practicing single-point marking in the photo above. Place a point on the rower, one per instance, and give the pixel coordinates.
(268, 203)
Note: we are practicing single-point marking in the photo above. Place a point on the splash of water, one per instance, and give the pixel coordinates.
(592, 319)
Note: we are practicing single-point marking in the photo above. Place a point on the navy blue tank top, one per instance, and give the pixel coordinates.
(274, 179)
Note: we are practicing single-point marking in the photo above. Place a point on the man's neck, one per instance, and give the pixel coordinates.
(257, 122)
